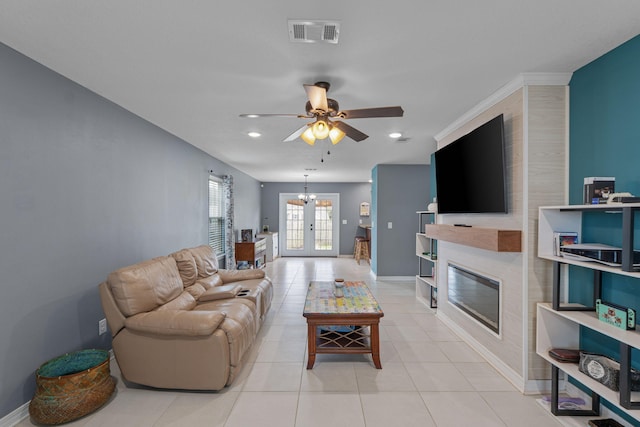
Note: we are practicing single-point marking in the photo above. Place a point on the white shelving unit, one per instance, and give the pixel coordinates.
(558, 326)
(426, 283)
(272, 244)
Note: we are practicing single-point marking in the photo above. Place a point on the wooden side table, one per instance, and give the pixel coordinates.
(253, 252)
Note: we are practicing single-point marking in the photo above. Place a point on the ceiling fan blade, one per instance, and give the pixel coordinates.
(317, 96)
(296, 134)
(253, 116)
(364, 113)
(350, 131)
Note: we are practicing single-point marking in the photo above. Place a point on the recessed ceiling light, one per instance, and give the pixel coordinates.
(254, 134)
(395, 135)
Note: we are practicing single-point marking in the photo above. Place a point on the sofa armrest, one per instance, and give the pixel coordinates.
(230, 276)
(220, 292)
(176, 323)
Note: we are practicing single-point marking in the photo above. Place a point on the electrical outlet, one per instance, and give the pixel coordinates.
(102, 326)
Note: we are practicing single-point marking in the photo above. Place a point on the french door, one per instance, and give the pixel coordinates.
(309, 229)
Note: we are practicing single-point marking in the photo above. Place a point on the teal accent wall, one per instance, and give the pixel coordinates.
(605, 141)
(605, 120)
(374, 220)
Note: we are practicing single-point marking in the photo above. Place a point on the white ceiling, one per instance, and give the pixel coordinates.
(192, 66)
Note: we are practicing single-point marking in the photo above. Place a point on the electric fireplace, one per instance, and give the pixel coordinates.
(476, 295)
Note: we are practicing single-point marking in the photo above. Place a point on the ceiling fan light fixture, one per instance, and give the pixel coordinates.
(320, 129)
(336, 135)
(254, 134)
(395, 135)
(308, 136)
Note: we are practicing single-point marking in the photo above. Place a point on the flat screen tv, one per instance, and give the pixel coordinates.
(470, 172)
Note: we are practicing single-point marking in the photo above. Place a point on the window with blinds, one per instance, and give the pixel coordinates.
(216, 215)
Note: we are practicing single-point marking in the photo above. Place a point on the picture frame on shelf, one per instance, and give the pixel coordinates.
(246, 235)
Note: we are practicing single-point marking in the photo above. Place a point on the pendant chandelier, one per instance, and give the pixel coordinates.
(306, 196)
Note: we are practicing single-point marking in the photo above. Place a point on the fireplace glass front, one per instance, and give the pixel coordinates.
(476, 295)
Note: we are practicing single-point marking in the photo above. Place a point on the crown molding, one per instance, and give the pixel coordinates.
(522, 80)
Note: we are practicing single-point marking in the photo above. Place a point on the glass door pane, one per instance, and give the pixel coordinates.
(295, 225)
(323, 226)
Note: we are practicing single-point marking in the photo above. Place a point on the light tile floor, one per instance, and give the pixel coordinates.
(429, 376)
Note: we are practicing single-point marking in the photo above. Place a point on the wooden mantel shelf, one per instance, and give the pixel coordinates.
(491, 239)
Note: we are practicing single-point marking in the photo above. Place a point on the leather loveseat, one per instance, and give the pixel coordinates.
(179, 322)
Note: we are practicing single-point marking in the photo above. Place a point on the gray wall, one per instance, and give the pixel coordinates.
(398, 192)
(85, 187)
(351, 195)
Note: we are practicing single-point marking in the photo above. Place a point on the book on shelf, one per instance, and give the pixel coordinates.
(563, 238)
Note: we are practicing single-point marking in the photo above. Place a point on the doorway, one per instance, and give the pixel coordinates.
(309, 229)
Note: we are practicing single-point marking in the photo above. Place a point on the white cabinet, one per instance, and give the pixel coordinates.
(272, 244)
(558, 323)
(426, 251)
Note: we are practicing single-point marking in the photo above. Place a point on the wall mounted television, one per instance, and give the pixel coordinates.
(470, 172)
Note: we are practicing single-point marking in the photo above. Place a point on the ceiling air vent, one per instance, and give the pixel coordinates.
(301, 31)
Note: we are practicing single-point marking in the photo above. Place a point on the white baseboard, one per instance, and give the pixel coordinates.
(15, 417)
(512, 376)
(396, 278)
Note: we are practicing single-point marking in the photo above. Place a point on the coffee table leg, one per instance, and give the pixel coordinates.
(375, 345)
(311, 336)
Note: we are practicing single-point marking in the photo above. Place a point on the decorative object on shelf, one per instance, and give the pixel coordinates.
(597, 189)
(246, 235)
(616, 315)
(71, 386)
(433, 206)
(364, 209)
(601, 369)
(306, 197)
(569, 355)
(620, 198)
(605, 422)
(563, 238)
(606, 371)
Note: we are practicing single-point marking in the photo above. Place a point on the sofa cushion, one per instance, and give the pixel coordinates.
(210, 282)
(206, 260)
(145, 286)
(186, 266)
(184, 301)
(196, 290)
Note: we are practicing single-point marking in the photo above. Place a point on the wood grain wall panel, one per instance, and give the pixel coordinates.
(547, 160)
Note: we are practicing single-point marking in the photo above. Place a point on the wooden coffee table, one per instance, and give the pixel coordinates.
(342, 325)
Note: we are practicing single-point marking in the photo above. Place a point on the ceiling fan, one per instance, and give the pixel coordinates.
(328, 117)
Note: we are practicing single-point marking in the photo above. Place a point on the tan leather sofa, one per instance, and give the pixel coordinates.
(180, 322)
